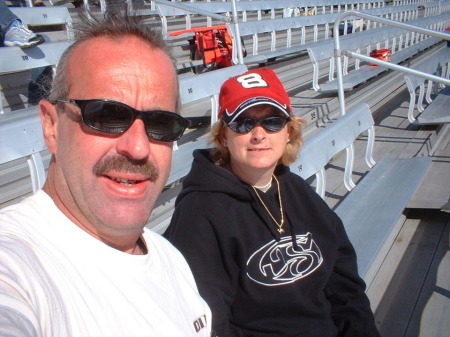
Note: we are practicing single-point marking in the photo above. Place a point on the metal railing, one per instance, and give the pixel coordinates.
(338, 52)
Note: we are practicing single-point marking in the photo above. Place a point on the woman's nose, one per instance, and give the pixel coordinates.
(258, 132)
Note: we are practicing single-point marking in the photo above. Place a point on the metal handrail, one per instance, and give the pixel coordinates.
(339, 52)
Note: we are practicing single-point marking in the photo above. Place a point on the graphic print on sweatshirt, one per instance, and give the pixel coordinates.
(279, 262)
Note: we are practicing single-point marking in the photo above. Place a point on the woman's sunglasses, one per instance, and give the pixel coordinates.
(116, 118)
(245, 124)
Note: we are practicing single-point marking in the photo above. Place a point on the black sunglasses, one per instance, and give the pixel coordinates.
(245, 124)
(116, 118)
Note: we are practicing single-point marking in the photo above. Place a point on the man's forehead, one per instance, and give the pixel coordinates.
(107, 47)
(128, 72)
(129, 57)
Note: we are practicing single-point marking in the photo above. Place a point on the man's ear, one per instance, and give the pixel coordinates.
(49, 121)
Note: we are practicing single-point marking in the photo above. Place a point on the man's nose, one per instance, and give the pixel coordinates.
(134, 142)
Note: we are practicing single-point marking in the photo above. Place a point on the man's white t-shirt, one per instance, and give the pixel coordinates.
(57, 280)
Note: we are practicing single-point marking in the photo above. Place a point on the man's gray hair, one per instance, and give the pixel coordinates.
(114, 24)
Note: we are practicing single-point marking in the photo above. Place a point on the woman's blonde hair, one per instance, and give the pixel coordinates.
(221, 155)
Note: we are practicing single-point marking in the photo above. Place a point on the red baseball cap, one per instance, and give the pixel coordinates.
(254, 87)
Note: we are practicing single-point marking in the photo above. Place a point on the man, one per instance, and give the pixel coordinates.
(75, 259)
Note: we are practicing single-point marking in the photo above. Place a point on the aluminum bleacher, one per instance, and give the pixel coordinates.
(403, 45)
(253, 10)
(283, 37)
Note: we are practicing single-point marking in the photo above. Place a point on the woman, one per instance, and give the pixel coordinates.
(269, 256)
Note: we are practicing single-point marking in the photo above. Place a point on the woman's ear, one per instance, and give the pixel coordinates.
(290, 133)
(49, 121)
(223, 139)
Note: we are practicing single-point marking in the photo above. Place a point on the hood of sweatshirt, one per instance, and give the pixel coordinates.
(208, 177)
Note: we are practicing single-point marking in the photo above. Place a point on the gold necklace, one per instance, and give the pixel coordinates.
(280, 225)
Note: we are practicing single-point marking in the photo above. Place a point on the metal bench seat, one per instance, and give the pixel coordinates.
(437, 110)
(14, 59)
(323, 145)
(372, 211)
(182, 159)
(21, 137)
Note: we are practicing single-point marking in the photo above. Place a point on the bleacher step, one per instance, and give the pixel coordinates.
(434, 192)
(375, 205)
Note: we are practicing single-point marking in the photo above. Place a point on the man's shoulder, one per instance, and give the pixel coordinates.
(26, 221)
(157, 241)
(36, 201)
(165, 251)
(29, 209)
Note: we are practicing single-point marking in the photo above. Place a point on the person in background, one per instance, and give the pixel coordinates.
(75, 257)
(268, 254)
(13, 32)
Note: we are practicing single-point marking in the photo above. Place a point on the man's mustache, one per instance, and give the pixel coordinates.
(127, 165)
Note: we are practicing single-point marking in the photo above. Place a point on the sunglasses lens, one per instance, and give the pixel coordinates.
(164, 126)
(274, 123)
(244, 125)
(113, 117)
(107, 116)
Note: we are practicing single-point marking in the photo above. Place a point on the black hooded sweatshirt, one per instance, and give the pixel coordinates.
(259, 282)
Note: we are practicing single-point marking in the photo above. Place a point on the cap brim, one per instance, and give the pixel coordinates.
(254, 102)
